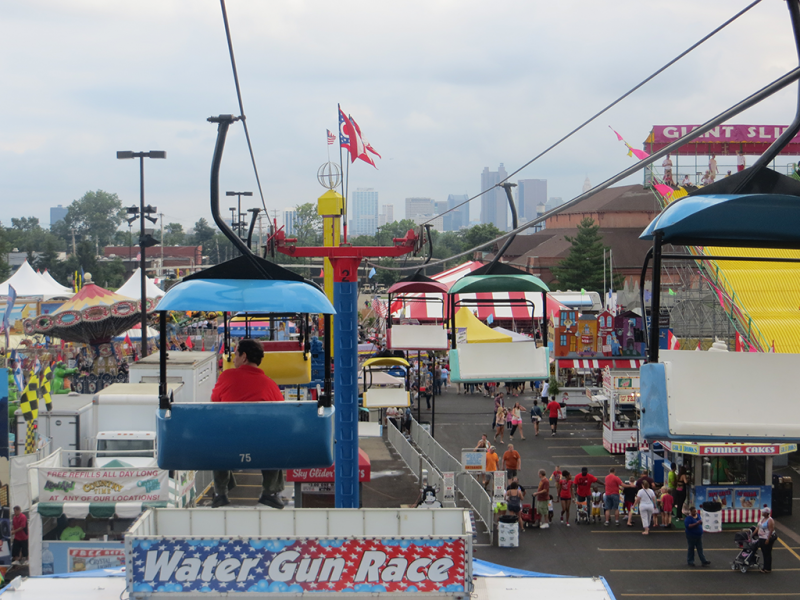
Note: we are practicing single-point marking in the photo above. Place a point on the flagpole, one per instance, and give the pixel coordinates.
(341, 168)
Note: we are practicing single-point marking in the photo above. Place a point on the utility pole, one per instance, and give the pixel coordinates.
(161, 266)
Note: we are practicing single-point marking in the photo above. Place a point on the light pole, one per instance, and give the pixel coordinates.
(239, 224)
(144, 241)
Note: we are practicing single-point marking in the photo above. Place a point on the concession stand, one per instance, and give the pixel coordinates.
(314, 488)
(737, 475)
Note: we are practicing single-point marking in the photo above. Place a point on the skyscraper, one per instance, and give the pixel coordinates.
(57, 213)
(419, 209)
(530, 194)
(364, 219)
(289, 221)
(386, 215)
(459, 217)
(494, 205)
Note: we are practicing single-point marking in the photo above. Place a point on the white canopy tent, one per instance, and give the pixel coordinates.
(28, 283)
(133, 287)
(54, 284)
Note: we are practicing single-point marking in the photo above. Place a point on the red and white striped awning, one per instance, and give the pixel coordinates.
(599, 363)
(429, 307)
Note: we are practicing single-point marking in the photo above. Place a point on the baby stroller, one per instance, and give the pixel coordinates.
(527, 516)
(748, 557)
(582, 512)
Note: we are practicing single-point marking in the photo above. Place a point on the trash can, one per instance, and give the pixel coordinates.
(711, 514)
(631, 458)
(507, 532)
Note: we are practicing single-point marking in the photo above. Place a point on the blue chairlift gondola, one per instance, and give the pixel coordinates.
(244, 435)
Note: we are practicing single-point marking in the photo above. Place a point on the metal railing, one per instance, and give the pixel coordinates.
(443, 461)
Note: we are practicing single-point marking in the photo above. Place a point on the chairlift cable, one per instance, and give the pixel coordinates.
(241, 105)
(768, 90)
(614, 103)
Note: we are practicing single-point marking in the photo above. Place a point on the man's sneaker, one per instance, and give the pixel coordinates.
(271, 500)
(220, 500)
(544, 526)
(708, 562)
(606, 523)
(617, 523)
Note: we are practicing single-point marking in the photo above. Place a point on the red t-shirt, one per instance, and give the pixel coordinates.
(613, 484)
(564, 488)
(246, 384)
(19, 521)
(583, 484)
(553, 407)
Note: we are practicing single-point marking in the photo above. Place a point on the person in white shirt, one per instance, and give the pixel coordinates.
(667, 164)
(740, 164)
(545, 391)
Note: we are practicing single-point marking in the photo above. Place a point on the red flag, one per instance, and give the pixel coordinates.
(739, 343)
(189, 343)
(354, 144)
(127, 341)
(699, 345)
(367, 145)
(672, 342)
(322, 272)
(203, 349)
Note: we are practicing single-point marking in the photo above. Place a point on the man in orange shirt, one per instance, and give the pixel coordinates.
(247, 383)
(491, 466)
(512, 462)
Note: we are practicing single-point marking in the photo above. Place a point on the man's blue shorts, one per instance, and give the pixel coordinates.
(612, 502)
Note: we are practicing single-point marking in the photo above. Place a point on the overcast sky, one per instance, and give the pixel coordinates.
(441, 88)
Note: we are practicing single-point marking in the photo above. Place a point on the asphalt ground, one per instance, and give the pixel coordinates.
(635, 565)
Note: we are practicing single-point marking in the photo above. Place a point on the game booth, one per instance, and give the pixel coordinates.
(737, 475)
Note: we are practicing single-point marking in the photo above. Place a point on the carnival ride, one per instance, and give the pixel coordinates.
(476, 362)
(707, 395)
(418, 337)
(380, 388)
(231, 435)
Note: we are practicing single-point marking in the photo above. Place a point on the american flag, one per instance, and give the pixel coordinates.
(379, 307)
(331, 138)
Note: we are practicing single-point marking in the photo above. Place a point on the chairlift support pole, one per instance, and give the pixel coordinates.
(345, 261)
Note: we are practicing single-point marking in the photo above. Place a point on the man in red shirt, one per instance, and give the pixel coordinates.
(19, 534)
(247, 383)
(583, 485)
(553, 407)
(613, 485)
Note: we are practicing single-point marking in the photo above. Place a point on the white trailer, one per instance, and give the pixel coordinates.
(68, 425)
(196, 370)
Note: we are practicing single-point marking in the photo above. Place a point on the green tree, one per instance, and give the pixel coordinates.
(307, 225)
(480, 234)
(96, 216)
(5, 248)
(48, 258)
(583, 266)
(174, 235)
(204, 236)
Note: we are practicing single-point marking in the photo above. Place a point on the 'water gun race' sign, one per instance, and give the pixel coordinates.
(367, 565)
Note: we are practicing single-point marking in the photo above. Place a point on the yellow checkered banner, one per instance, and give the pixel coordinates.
(30, 438)
(46, 380)
(29, 401)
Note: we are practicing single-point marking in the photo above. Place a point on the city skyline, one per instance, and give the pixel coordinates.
(439, 116)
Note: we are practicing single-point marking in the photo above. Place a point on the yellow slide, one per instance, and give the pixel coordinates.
(768, 293)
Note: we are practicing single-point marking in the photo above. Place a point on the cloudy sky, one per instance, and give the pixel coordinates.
(441, 88)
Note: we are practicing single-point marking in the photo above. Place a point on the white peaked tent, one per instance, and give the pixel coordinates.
(27, 283)
(54, 284)
(133, 287)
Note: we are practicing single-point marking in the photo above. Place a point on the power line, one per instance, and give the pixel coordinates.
(239, 97)
(743, 105)
(614, 103)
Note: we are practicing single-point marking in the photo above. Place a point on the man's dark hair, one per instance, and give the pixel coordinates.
(252, 349)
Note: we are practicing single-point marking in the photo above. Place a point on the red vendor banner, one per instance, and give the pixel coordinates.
(296, 566)
(723, 140)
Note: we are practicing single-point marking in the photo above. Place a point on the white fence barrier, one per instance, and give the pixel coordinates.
(442, 461)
